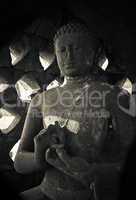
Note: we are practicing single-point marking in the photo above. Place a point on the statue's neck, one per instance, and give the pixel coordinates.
(75, 80)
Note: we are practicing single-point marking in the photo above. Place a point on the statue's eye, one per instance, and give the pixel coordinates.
(63, 49)
(77, 48)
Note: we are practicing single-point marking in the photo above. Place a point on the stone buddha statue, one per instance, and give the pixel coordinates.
(74, 122)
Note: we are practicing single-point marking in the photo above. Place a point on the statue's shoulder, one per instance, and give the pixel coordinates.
(116, 97)
(117, 91)
(102, 85)
(37, 98)
(51, 93)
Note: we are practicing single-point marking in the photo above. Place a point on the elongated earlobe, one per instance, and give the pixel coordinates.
(97, 55)
(90, 57)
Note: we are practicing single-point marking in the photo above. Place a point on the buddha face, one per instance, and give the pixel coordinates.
(74, 54)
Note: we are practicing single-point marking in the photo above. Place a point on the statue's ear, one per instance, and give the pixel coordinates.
(90, 54)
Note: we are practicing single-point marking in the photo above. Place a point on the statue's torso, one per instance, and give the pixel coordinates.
(86, 121)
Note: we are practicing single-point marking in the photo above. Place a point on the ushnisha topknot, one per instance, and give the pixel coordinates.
(79, 28)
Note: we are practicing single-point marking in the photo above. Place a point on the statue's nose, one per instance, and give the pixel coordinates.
(70, 53)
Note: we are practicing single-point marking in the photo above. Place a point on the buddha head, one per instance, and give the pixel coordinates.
(75, 49)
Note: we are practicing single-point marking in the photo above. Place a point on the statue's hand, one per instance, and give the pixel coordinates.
(46, 136)
(58, 135)
(75, 167)
(41, 143)
(52, 158)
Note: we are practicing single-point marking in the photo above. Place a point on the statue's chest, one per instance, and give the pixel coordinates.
(82, 115)
(66, 108)
(75, 109)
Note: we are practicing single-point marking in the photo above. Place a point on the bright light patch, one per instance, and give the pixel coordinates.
(23, 94)
(105, 64)
(3, 84)
(15, 58)
(46, 58)
(127, 86)
(25, 87)
(3, 87)
(8, 120)
(13, 151)
(53, 84)
(45, 63)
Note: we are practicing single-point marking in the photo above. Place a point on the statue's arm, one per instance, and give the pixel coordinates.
(25, 161)
(123, 120)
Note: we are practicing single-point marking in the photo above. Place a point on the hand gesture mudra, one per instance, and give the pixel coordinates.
(46, 138)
